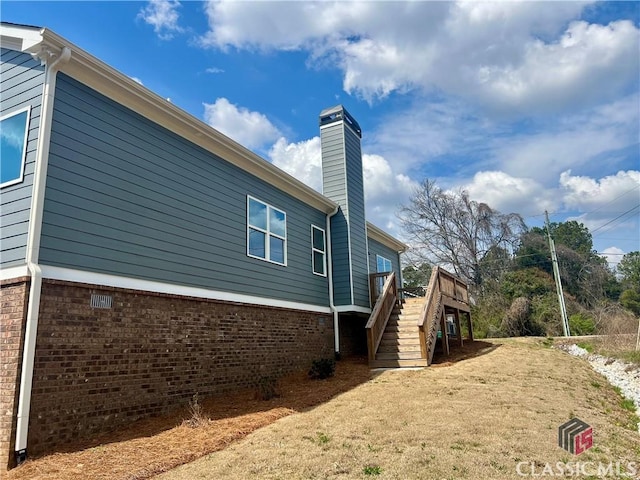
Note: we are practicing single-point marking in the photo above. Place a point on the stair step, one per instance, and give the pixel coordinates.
(409, 347)
(398, 355)
(398, 363)
(402, 327)
(395, 340)
(395, 336)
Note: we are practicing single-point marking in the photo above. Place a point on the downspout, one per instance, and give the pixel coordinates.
(33, 249)
(332, 306)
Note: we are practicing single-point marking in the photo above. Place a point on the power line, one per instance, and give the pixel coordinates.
(613, 220)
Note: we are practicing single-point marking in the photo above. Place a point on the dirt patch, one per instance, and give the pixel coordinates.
(478, 418)
(156, 445)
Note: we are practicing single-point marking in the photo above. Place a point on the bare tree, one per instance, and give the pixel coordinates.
(453, 231)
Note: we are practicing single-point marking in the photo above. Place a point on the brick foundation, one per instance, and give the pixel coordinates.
(14, 295)
(99, 368)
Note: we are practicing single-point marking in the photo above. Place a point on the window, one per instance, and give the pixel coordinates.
(318, 250)
(383, 264)
(266, 232)
(13, 146)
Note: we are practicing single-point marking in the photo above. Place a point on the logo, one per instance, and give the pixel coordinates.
(575, 436)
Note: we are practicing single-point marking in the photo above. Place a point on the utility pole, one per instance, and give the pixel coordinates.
(556, 276)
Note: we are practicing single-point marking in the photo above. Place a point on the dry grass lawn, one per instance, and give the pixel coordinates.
(473, 418)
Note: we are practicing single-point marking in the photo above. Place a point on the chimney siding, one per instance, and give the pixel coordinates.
(342, 181)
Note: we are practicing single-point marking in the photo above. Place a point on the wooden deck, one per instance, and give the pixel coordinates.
(405, 332)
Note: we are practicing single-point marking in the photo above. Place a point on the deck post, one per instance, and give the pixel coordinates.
(456, 316)
(445, 335)
(469, 326)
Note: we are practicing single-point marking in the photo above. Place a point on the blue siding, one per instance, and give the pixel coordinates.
(343, 183)
(340, 259)
(21, 83)
(357, 222)
(334, 187)
(377, 248)
(128, 197)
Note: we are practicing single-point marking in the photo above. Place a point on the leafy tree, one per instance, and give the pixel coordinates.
(414, 277)
(629, 269)
(630, 299)
(529, 283)
(583, 273)
(456, 232)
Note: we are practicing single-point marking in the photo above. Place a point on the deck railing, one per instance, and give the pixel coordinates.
(441, 284)
(386, 301)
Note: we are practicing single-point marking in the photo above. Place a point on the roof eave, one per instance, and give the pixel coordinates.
(96, 74)
(379, 235)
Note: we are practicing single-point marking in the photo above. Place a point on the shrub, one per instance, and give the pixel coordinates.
(197, 418)
(322, 368)
(581, 324)
(267, 389)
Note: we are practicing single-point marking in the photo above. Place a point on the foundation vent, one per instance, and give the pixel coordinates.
(100, 301)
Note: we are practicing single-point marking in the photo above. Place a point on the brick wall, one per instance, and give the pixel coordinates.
(96, 368)
(14, 296)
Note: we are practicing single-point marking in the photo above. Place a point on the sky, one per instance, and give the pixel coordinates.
(528, 106)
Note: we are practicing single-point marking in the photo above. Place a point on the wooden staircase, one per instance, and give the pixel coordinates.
(400, 343)
(404, 333)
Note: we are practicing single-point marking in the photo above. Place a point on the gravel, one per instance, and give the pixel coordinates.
(620, 374)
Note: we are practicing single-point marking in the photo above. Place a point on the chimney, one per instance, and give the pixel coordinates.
(342, 182)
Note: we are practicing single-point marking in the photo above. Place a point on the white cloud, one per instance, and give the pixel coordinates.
(384, 189)
(510, 194)
(613, 193)
(214, 70)
(613, 255)
(301, 160)
(610, 204)
(163, 16)
(137, 80)
(502, 55)
(250, 129)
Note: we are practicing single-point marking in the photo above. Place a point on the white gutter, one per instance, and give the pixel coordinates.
(33, 249)
(332, 306)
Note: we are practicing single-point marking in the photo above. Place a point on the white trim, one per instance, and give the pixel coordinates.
(14, 272)
(19, 37)
(314, 250)
(23, 159)
(268, 233)
(379, 235)
(353, 308)
(107, 280)
(55, 60)
(385, 259)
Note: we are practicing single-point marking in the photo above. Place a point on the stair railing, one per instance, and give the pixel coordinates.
(428, 323)
(441, 284)
(380, 315)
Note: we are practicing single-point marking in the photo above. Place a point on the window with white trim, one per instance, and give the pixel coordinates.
(13, 146)
(319, 251)
(266, 232)
(383, 264)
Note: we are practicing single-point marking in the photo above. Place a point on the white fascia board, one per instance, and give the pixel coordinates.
(379, 235)
(116, 281)
(18, 37)
(353, 309)
(14, 272)
(99, 76)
